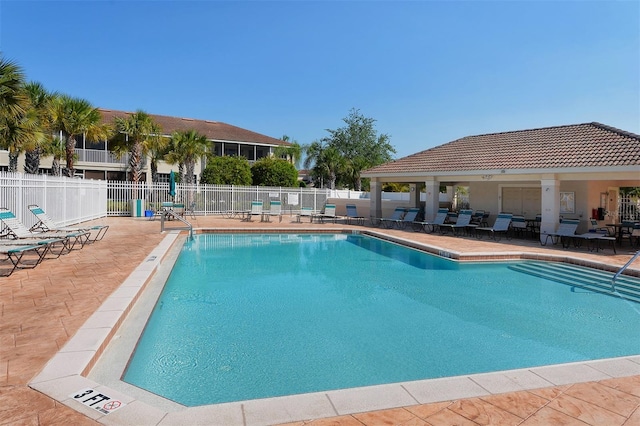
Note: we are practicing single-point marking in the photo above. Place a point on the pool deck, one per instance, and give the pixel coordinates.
(42, 309)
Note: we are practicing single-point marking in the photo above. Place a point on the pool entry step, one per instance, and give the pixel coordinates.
(590, 279)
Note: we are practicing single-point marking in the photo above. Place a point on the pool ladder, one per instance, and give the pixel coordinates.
(621, 270)
(170, 213)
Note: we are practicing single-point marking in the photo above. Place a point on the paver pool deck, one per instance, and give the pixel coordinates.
(42, 309)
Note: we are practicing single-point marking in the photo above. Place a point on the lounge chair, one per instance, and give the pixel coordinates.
(565, 232)
(397, 215)
(519, 226)
(352, 215)
(45, 223)
(304, 212)
(16, 230)
(500, 227)
(256, 210)
(275, 209)
(55, 246)
(328, 213)
(430, 227)
(462, 224)
(476, 218)
(14, 256)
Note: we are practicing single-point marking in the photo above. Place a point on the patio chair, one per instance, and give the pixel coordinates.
(256, 210)
(275, 209)
(462, 224)
(14, 256)
(55, 246)
(352, 215)
(17, 230)
(430, 227)
(328, 213)
(565, 232)
(476, 218)
(304, 212)
(519, 226)
(45, 223)
(397, 215)
(500, 227)
(595, 227)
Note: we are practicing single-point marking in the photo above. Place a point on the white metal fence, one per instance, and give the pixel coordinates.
(211, 199)
(67, 201)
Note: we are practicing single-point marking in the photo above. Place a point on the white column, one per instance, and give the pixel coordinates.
(375, 202)
(432, 192)
(550, 206)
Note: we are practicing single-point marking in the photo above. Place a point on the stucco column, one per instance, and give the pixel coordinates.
(432, 192)
(375, 202)
(414, 195)
(550, 206)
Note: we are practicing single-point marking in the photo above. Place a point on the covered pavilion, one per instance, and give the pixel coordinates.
(569, 171)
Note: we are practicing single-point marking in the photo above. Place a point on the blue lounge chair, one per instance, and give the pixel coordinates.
(352, 215)
(397, 215)
(564, 234)
(462, 224)
(430, 227)
(500, 227)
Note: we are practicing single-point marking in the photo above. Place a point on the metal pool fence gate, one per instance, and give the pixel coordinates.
(210, 199)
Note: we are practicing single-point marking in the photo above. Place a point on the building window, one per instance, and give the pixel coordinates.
(247, 152)
(261, 152)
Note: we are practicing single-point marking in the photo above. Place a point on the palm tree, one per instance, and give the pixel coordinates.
(187, 147)
(326, 160)
(291, 153)
(73, 117)
(40, 101)
(18, 128)
(137, 134)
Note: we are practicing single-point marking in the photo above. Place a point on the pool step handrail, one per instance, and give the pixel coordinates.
(170, 213)
(621, 270)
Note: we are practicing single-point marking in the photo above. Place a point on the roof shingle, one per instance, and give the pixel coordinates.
(213, 130)
(578, 145)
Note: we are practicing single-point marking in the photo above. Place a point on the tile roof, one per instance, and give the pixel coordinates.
(571, 146)
(213, 130)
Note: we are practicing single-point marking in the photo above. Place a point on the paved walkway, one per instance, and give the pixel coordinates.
(41, 309)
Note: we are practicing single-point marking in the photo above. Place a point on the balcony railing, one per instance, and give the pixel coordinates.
(102, 156)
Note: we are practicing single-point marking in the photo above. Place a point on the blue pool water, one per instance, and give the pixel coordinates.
(253, 316)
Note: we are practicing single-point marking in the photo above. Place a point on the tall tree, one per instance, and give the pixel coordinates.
(327, 163)
(73, 118)
(360, 145)
(186, 148)
(136, 134)
(40, 105)
(18, 128)
(291, 153)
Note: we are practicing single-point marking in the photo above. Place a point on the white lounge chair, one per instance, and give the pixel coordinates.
(16, 230)
(328, 213)
(275, 209)
(256, 210)
(45, 223)
(14, 257)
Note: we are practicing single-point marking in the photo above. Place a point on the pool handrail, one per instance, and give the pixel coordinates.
(621, 270)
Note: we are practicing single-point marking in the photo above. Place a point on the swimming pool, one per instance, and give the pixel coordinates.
(347, 310)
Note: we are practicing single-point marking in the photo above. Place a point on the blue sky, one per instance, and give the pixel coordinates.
(428, 72)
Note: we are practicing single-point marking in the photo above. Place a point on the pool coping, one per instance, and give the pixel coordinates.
(69, 370)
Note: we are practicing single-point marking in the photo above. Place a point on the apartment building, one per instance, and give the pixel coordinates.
(96, 161)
